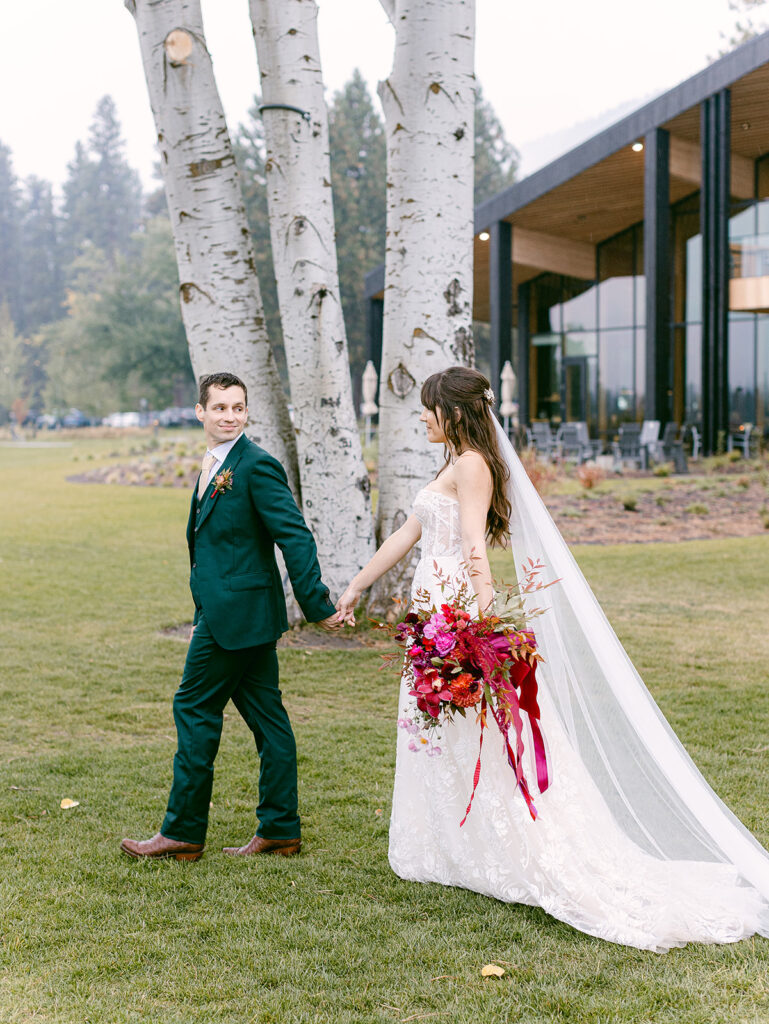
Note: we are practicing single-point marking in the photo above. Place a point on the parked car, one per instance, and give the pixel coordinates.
(47, 421)
(122, 419)
(76, 418)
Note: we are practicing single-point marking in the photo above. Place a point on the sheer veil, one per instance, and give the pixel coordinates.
(654, 790)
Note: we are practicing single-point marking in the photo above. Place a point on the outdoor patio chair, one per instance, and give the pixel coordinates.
(595, 445)
(673, 449)
(540, 436)
(744, 440)
(573, 443)
(650, 432)
(691, 435)
(627, 447)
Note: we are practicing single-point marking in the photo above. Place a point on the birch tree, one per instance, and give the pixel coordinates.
(335, 484)
(428, 102)
(220, 298)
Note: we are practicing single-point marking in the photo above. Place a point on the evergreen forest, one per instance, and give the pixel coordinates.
(89, 307)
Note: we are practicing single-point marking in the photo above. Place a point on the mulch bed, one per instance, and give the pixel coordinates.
(691, 511)
(697, 507)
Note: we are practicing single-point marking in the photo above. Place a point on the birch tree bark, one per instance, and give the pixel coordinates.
(220, 298)
(428, 102)
(334, 481)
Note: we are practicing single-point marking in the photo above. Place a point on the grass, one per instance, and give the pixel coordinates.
(90, 576)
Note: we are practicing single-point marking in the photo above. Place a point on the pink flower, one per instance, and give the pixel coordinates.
(434, 625)
(444, 643)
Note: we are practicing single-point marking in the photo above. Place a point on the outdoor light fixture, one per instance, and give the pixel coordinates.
(637, 147)
(484, 236)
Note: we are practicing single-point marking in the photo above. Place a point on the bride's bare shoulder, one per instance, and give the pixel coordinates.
(472, 469)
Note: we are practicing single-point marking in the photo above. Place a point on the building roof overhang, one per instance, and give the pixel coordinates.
(561, 212)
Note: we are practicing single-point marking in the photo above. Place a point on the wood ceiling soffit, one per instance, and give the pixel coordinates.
(686, 163)
(554, 253)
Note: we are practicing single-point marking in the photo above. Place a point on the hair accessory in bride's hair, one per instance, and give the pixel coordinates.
(488, 394)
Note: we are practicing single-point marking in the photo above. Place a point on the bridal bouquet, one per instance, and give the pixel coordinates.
(457, 662)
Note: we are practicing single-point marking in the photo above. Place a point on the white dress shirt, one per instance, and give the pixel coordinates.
(220, 453)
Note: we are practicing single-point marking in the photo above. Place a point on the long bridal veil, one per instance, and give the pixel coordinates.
(655, 792)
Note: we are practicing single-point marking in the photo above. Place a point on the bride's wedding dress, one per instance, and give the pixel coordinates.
(617, 851)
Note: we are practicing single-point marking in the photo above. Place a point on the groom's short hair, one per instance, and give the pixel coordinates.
(219, 380)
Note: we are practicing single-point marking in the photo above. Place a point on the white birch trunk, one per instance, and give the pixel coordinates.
(429, 104)
(334, 481)
(220, 298)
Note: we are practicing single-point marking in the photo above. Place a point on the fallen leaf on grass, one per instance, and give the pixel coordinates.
(378, 812)
(67, 803)
(492, 971)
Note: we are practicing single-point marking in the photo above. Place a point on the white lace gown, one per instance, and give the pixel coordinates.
(573, 861)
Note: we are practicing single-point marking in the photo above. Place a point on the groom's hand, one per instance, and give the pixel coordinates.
(331, 624)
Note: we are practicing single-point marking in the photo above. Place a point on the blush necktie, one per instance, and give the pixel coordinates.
(205, 470)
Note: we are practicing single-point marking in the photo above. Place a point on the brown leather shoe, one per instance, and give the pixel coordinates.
(284, 847)
(159, 847)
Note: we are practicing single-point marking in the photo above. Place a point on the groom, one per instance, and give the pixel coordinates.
(241, 507)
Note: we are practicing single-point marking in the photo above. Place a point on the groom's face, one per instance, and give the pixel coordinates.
(224, 416)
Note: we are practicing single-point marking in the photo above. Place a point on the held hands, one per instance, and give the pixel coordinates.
(345, 606)
(331, 624)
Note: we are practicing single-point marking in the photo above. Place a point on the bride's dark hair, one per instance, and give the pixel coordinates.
(464, 399)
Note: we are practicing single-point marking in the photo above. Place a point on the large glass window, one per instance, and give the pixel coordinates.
(546, 360)
(687, 311)
(580, 305)
(616, 270)
(587, 340)
(693, 272)
(762, 374)
(616, 379)
(742, 371)
(693, 404)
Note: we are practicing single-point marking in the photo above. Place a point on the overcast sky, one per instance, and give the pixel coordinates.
(546, 65)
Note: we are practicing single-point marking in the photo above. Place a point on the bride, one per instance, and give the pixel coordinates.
(630, 843)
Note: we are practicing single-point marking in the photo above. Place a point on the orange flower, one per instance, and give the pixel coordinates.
(466, 690)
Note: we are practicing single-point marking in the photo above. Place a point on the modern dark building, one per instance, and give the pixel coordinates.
(629, 279)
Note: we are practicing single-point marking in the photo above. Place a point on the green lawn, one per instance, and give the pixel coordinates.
(90, 574)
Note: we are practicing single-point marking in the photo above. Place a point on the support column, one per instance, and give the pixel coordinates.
(500, 298)
(714, 221)
(657, 271)
(522, 360)
(374, 325)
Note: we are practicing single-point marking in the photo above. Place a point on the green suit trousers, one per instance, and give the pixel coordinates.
(248, 676)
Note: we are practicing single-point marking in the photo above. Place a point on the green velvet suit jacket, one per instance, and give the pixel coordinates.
(232, 535)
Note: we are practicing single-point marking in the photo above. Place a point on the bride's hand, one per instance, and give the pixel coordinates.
(346, 605)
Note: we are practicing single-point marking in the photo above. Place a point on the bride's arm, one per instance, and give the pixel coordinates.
(389, 554)
(474, 489)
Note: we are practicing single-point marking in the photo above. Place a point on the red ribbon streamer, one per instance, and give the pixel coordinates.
(477, 772)
(522, 676)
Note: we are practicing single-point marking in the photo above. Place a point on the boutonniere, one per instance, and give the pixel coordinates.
(222, 482)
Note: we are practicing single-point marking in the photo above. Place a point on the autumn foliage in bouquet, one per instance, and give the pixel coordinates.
(457, 661)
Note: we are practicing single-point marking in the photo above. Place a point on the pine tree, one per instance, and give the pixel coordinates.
(496, 160)
(12, 363)
(743, 29)
(102, 194)
(9, 236)
(249, 148)
(357, 143)
(42, 277)
(124, 333)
